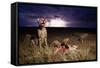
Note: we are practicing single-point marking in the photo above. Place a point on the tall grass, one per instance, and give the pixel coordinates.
(34, 54)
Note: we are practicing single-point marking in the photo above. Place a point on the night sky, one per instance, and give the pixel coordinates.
(58, 16)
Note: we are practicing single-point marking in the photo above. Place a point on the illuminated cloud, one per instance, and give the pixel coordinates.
(57, 22)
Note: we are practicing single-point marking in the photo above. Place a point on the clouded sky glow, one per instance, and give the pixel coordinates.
(57, 23)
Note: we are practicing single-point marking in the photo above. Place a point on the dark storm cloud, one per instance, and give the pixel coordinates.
(77, 16)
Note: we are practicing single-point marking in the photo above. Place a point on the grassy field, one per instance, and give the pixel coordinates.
(29, 53)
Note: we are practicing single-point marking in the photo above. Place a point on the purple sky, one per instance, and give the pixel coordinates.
(82, 17)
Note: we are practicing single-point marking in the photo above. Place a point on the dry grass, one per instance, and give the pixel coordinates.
(33, 54)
